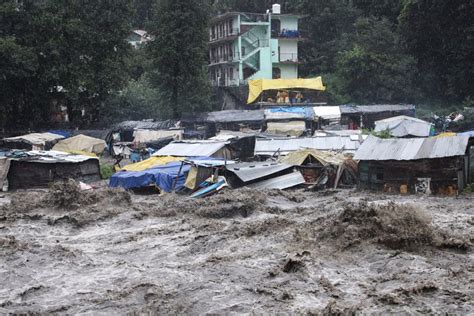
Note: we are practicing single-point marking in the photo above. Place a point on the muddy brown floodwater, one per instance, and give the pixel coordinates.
(69, 252)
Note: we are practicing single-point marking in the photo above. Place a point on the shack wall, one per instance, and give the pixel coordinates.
(27, 174)
(444, 174)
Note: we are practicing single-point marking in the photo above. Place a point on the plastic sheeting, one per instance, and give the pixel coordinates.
(283, 113)
(401, 126)
(146, 136)
(161, 176)
(297, 158)
(81, 143)
(294, 128)
(256, 87)
(150, 163)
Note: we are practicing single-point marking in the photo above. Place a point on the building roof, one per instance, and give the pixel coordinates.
(228, 116)
(255, 170)
(268, 146)
(290, 112)
(375, 148)
(191, 148)
(145, 124)
(282, 182)
(376, 108)
(401, 126)
(52, 156)
(35, 138)
(327, 112)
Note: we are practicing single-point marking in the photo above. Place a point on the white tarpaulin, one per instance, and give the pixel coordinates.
(147, 136)
(401, 126)
(327, 112)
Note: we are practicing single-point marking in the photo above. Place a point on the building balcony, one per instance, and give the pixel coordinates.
(287, 35)
(226, 35)
(289, 58)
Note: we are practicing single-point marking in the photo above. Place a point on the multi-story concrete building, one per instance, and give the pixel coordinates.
(246, 46)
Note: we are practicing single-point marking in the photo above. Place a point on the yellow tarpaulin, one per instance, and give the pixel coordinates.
(150, 162)
(256, 87)
(446, 134)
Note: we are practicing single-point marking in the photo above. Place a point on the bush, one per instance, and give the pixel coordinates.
(106, 171)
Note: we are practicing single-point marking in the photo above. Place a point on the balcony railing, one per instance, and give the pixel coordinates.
(288, 57)
(225, 59)
(222, 35)
(286, 34)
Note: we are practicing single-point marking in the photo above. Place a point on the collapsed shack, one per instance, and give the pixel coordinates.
(167, 178)
(33, 141)
(263, 175)
(418, 165)
(37, 169)
(150, 134)
(323, 169)
(206, 125)
(364, 116)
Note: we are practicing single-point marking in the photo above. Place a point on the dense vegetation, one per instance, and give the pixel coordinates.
(74, 52)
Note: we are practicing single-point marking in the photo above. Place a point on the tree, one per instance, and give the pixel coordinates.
(376, 69)
(179, 54)
(440, 35)
(74, 46)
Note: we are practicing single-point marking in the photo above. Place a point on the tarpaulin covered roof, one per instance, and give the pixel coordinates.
(191, 148)
(148, 136)
(255, 170)
(293, 128)
(35, 138)
(327, 112)
(375, 148)
(150, 163)
(228, 116)
(52, 156)
(324, 157)
(147, 124)
(161, 176)
(269, 146)
(256, 87)
(81, 143)
(292, 112)
(401, 126)
(376, 108)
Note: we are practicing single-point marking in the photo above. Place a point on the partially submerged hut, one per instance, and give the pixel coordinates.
(430, 165)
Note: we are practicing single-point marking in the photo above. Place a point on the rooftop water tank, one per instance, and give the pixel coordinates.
(276, 8)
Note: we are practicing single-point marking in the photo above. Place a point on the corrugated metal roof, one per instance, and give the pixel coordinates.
(282, 182)
(376, 108)
(191, 149)
(401, 126)
(255, 170)
(229, 116)
(375, 148)
(265, 146)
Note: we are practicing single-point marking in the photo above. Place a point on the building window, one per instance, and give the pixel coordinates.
(276, 73)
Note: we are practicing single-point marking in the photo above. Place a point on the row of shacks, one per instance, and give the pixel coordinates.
(262, 149)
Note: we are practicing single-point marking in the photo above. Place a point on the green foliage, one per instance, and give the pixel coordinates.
(76, 45)
(439, 35)
(137, 101)
(382, 134)
(179, 54)
(106, 171)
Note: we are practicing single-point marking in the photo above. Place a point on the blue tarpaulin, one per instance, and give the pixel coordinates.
(307, 112)
(64, 133)
(161, 176)
(470, 134)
